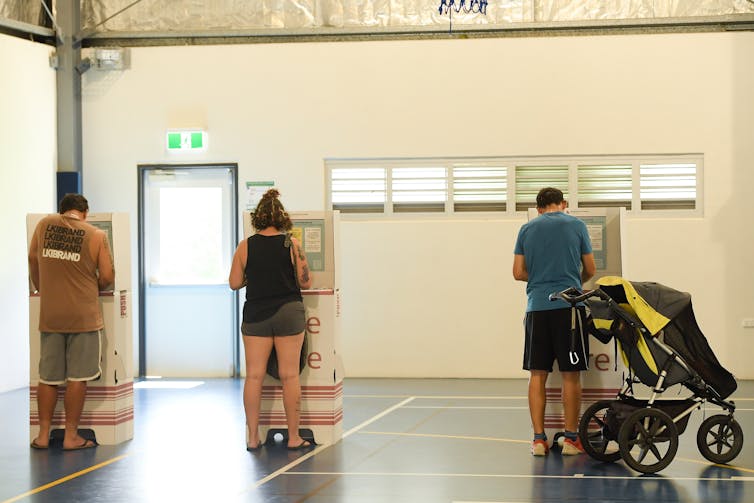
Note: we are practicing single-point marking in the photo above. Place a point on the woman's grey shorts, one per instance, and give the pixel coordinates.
(290, 319)
(69, 357)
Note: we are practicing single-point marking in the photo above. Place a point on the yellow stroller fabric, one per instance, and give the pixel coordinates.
(652, 308)
(650, 318)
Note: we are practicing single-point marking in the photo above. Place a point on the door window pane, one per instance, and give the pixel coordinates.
(191, 237)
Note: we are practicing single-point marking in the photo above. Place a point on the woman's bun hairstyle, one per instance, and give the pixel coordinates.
(271, 213)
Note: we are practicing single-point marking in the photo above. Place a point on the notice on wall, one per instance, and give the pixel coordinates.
(255, 191)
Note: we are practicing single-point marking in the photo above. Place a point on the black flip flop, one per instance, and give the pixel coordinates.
(254, 449)
(87, 444)
(35, 445)
(305, 444)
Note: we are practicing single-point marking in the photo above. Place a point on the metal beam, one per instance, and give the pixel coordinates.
(738, 22)
(69, 87)
(26, 30)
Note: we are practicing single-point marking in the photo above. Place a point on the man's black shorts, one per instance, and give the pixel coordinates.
(548, 338)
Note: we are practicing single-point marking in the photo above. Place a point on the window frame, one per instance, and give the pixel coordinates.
(510, 164)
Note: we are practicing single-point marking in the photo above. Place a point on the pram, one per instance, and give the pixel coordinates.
(661, 345)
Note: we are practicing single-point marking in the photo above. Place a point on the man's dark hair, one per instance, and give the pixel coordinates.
(548, 196)
(73, 202)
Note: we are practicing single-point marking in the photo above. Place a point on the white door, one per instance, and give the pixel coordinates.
(188, 228)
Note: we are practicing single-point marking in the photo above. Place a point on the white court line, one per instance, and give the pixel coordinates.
(494, 397)
(578, 476)
(436, 435)
(524, 407)
(290, 465)
(285, 469)
(488, 407)
(493, 439)
(317, 450)
(378, 416)
(442, 397)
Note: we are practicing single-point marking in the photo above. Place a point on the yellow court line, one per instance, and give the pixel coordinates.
(460, 437)
(65, 479)
(730, 467)
(514, 441)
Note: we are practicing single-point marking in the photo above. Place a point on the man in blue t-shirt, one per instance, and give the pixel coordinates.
(549, 254)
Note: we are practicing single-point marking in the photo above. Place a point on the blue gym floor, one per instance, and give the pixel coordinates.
(405, 440)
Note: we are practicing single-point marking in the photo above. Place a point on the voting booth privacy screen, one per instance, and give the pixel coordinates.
(322, 376)
(108, 409)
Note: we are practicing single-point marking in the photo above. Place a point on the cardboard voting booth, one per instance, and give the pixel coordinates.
(604, 377)
(108, 409)
(322, 377)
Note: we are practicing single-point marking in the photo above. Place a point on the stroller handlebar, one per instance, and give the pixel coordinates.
(573, 295)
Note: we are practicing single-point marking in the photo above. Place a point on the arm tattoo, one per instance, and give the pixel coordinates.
(305, 273)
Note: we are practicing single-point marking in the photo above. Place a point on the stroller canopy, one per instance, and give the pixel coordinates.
(653, 303)
(660, 308)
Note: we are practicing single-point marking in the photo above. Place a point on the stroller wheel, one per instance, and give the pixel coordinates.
(720, 438)
(648, 440)
(600, 441)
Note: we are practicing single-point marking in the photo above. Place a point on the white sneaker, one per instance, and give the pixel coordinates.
(539, 448)
(572, 447)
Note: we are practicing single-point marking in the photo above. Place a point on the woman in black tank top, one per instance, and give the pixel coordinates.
(272, 266)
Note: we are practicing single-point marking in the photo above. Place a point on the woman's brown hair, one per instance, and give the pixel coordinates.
(270, 212)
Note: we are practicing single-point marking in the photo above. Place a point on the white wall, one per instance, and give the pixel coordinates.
(27, 185)
(436, 298)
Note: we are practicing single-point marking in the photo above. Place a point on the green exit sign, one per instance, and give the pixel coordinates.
(187, 140)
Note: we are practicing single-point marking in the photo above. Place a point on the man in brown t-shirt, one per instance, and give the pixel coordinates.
(69, 263)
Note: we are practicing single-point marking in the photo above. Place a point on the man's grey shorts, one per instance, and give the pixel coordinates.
(290, 319)
(69, 357)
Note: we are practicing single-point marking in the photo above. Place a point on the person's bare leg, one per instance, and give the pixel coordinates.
(73, 400)
(571, 399)
(47, 397)
(257, 351)
(289, 353)
(537, 399)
